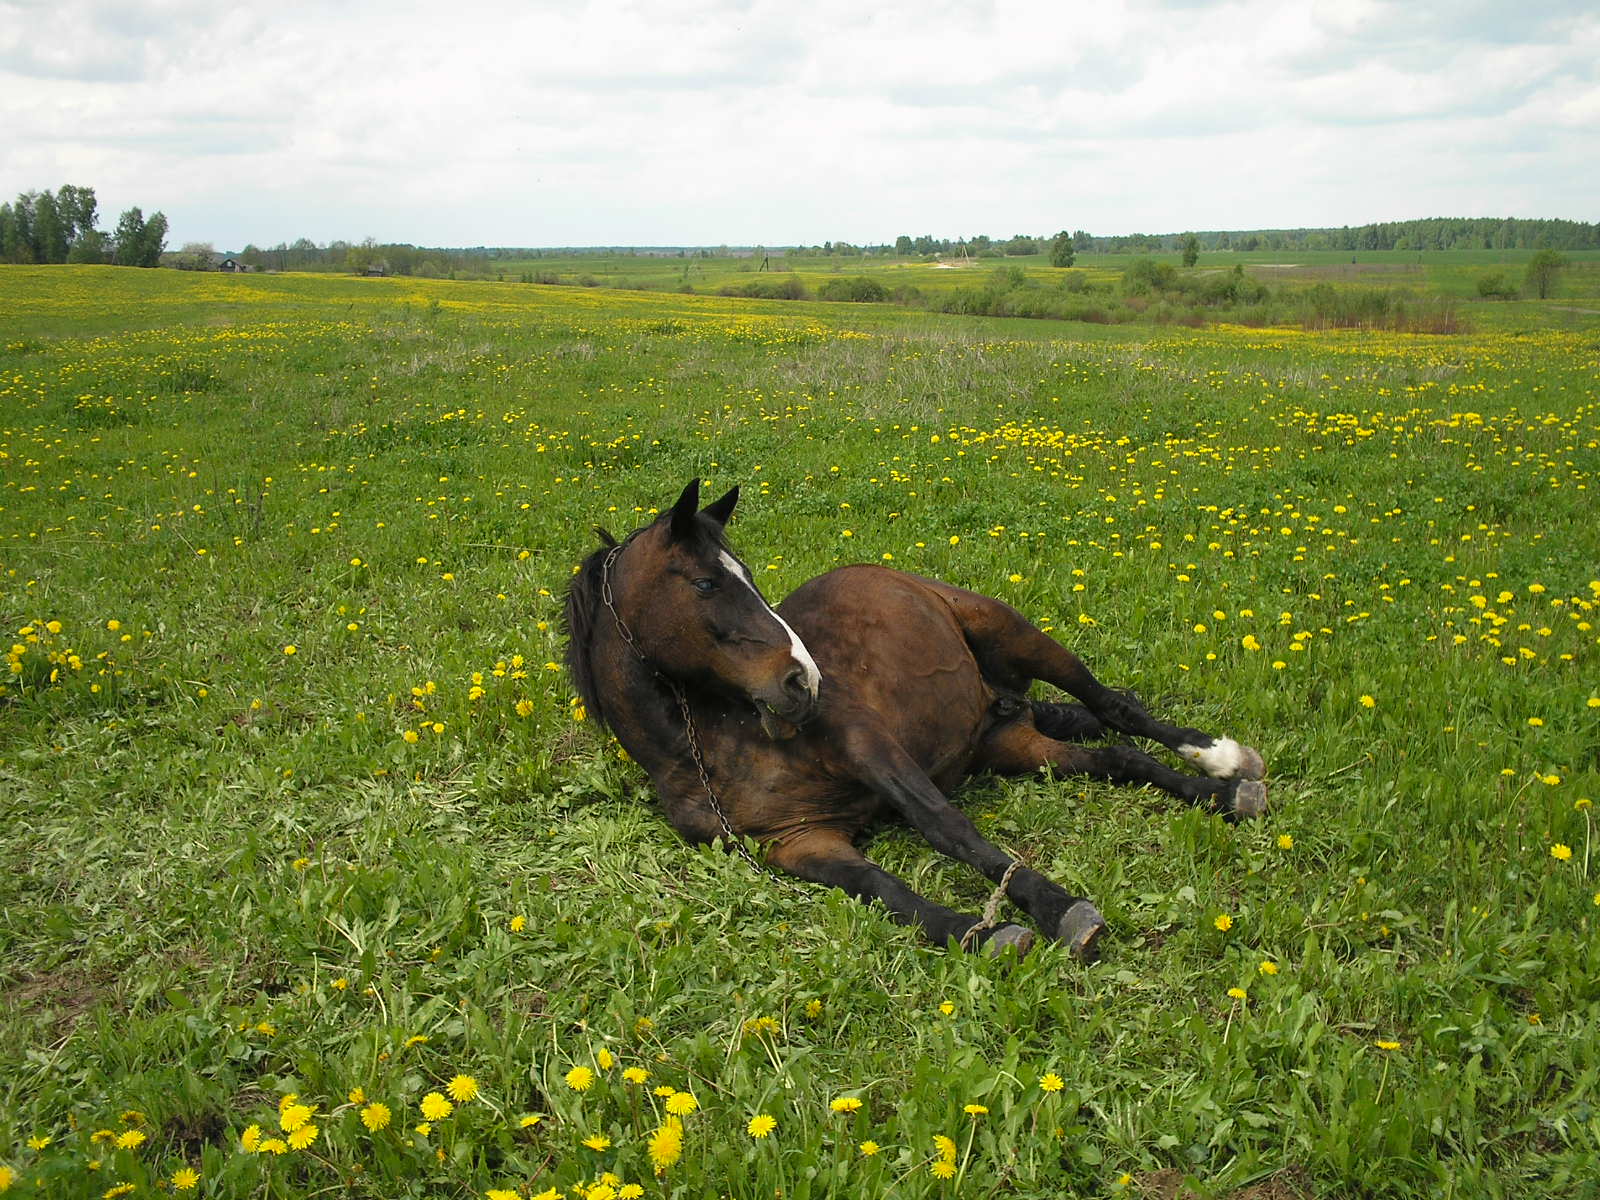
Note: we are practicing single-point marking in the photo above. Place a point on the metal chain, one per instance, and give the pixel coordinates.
(734, 841)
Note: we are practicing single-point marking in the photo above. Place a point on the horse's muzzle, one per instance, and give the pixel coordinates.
(787, 707)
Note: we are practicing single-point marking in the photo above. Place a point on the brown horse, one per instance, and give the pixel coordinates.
(868, 692)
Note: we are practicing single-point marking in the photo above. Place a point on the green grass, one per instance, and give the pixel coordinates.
(233, 877)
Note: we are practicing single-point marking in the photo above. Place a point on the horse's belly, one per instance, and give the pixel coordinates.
(886, 642)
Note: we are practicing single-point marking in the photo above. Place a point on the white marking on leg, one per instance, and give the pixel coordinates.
(1221, 760)
(797, 648)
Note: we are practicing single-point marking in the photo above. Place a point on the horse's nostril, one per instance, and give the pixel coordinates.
(795, 684)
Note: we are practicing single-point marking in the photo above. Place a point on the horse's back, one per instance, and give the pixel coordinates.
(890, 642)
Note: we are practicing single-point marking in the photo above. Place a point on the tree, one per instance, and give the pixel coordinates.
(129, 237)
(1082, 241)
(1191, 249)
(49, 234)
(154, 240)
(902, 245)
(77, 207)
(89, 247)
(1543, 268)
(1062, 253)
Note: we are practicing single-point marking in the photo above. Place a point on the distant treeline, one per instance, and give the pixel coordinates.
(1432, 233)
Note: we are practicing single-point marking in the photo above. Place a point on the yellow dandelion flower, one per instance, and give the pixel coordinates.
(131, 1139)
(1368, 702)
(1051, 1082)
(942, 1168)
(517, 923)
(975, 1110)
(1560, 852)
(122, 1189)
(185, 1179)
(1223, 922)
(529, 1120)
(1388, 1045)
(945, 1146)
(844, 1104)
(665, 1145)
(1238, 993)
(681, 1104)
(629, 1191)
(635, 1075)
(869, 1147)
(597, 1141)
(462, 1088)
(273, 1146)
(435, 1107)
(302, 1137)
(1536, 721)
(1285, 842)
(502, 1194)
(1268, 967)
(761, 1125)
(295, 1116)
(605, 1059)
(376, 1116)
(250, 1139)
(580, 1079)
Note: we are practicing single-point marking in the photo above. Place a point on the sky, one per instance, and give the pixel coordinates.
(772, 122)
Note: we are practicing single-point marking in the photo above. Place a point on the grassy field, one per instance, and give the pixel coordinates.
(319, 884)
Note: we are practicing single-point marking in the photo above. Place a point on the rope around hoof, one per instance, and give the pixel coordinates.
(991, 908)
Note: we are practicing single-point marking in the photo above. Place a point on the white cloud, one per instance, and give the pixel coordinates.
(752, 120)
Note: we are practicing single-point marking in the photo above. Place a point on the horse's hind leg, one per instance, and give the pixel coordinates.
(827, 856)
(1012, 652)
(1018, 748)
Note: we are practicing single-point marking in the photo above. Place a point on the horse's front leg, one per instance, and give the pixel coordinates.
(827, 856)
(883, 765)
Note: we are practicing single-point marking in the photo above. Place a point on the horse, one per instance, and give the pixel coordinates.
(868, 693)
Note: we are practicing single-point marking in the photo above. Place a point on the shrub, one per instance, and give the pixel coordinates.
(1495, 287)
(1147, 275)
(857, 289)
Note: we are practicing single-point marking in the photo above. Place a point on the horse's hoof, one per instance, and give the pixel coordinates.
(1251, 765)
(1079, 930)
(1249, 799)
(1008, 935)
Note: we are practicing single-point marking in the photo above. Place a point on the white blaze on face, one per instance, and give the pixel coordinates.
(797, 648)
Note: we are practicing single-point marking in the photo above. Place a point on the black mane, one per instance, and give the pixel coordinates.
(583, 605)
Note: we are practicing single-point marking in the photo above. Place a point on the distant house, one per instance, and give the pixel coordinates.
(232, 264)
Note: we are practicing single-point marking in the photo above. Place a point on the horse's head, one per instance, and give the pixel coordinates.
(697, 615)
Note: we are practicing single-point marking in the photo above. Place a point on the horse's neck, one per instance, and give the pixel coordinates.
(639, 706)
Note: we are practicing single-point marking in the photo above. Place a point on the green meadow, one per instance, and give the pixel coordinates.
(320, 882)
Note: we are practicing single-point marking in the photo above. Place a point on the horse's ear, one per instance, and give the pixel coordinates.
(605, 537)
(682, 515)
(720, 510)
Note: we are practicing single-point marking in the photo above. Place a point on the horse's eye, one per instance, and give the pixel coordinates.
(705, 586)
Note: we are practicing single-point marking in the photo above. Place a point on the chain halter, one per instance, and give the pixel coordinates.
(729, 836)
